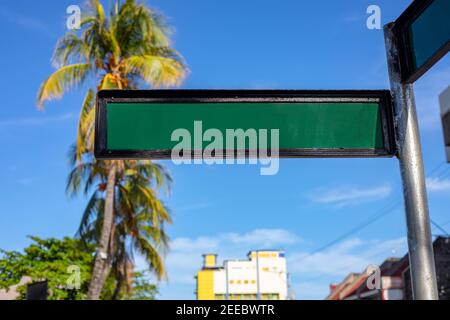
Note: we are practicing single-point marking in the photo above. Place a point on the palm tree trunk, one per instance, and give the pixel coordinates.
(101, 259)
(117, 289)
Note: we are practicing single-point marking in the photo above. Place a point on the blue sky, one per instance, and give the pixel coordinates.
(321, 44)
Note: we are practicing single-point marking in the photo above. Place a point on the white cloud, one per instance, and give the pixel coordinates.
(352, 255)
(27, 181)
(332, 262)
(203, 244)
(352, 17)
(257, 238)
(193, 207)
(310, 290)
(342, 196)
(436, 184)
(264, 237)
(36, 121)
(27, 22)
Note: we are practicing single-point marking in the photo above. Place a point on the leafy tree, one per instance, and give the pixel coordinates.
(127, 49)
(142, 289)
(50, 260)
(53, 260)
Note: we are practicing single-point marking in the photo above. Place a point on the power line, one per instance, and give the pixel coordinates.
(352, 265)
(445, 223)
(367, 258)
(437, 167)
(436, 225)
(372, 219)
(442, 175)
(439, 227)
(377, 216)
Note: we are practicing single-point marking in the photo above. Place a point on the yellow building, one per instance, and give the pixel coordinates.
(262, 276)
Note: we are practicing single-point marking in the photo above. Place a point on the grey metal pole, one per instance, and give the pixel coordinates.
(227, 295)
(421, 257)
(258, 288)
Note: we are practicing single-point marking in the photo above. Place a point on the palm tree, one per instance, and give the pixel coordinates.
(129, 48)
(139, 216)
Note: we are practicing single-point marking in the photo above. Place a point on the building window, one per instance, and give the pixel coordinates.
(270, 296)
(236, 296)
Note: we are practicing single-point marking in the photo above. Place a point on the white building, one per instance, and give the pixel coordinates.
(262, 276)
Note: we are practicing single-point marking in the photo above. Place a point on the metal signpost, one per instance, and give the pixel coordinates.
(414, 43)
(139, 124)
(421, 258)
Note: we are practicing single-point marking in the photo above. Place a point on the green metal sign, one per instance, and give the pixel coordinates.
(423, 32)
(144, 124)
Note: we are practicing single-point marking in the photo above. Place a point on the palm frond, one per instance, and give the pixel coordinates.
(156, 71)
(155, 172)
(62, 80)
(69, 48)
(84, 173)
(151, 255)
(91, 210)
(85, 134)
(99, 12)
(76, 177)
(158, 236)
(138, 29)
(96, 35)
(125, 200)
(110, 81)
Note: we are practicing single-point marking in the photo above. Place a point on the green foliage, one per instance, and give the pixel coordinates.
(50, 259)
(142, 289)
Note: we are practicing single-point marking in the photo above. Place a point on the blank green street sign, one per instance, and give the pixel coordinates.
(140, 124)
(423, 31)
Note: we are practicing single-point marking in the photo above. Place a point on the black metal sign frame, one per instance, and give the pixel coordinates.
(383, 97)
(402, 33)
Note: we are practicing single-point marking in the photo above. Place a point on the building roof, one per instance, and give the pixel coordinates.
(265, 250)
(354, 283)
(348, 280)
(352, 288)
